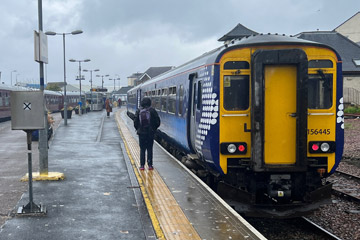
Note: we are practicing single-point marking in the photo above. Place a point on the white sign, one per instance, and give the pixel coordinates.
(40, 47)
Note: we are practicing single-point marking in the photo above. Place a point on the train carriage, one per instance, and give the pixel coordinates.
(261, 119)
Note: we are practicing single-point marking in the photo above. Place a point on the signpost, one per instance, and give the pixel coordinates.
(27, 114)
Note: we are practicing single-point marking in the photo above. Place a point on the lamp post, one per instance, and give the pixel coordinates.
(63, 34)
(80, 78)
(102, 79)
(11, 76)
(94, 70)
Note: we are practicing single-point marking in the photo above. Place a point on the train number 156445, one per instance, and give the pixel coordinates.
(318, 131)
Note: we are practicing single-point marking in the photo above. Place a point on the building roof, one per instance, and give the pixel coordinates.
(155, 71)
(123, 90)
(237, 32)
(347, 49)
(136, 75)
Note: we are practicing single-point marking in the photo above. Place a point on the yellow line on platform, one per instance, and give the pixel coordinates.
(168, 219)
(51, 176)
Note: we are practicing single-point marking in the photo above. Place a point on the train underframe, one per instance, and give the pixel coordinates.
(274, 194)
(263, 194)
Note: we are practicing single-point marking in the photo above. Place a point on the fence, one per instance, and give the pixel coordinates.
(351, 96)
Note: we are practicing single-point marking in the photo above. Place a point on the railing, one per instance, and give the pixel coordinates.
(351, 96)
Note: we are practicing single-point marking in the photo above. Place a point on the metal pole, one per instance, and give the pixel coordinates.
(80, 87)
(102, 83)
(65, 100)
(43, 143)
(28, 135)
(92, 107)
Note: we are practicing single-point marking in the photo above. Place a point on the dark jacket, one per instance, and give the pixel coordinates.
(154, 122)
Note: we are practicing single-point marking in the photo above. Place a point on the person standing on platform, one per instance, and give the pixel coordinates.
(108, 107)
(119, 103)
(146, 122)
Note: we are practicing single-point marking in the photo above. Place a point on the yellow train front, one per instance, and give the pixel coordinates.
(281, 125)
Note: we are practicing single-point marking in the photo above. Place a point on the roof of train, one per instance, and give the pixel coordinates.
(213, 56)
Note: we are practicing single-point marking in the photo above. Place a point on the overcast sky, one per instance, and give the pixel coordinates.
(122, 37)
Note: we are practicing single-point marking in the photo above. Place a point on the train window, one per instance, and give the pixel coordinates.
(172, 100)
(320, 91)
(236, 93)
(236, 65)
(7, 99)
(1, 100)
(164, 93)
(194, 99)
(199, 96)
(181, 99)
(320, 64)
(158, 103)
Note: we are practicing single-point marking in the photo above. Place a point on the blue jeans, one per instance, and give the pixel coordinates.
(146, 143)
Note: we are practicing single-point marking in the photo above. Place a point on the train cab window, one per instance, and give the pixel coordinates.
(236, 65)
(320, 64)
(236, 92)
(320, 90)
(172, 100)
(199, 96)
(181, 99)
(1, 100)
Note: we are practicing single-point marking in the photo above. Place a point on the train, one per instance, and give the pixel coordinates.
(54, 101)
(260, 119)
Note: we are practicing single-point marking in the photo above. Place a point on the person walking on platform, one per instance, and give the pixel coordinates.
(119, 103)
(108, 107)
(146, 122)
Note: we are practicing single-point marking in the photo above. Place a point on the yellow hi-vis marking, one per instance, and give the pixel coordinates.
(169, 221)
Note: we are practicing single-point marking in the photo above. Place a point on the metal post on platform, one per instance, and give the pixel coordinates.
(80, 78)
(43, 143)
(31, 207)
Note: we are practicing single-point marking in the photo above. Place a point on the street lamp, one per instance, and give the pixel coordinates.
(11, 76)
(80, 78)
(102, 79)
(94, 70)
(63, 34)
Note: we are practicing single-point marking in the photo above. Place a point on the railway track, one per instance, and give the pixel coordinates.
(346, 185)
(319, 229)
(296, 228)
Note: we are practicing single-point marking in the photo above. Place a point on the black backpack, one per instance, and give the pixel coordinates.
(144, 117)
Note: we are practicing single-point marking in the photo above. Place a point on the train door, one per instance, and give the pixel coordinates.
(279, 108)
(193, 98)
(138, 98)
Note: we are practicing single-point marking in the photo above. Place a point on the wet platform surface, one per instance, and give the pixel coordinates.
(209, 215)
(96, 200)
(105, 196)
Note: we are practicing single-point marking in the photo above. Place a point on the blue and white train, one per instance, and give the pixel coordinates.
(261, 120)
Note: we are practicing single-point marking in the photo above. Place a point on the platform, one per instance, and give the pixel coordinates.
(105, 196)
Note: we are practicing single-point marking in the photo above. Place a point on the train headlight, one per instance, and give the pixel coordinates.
(322, 147)
(231, 148)
(325, 147)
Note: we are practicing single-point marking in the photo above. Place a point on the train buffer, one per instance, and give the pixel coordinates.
(105, 196)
